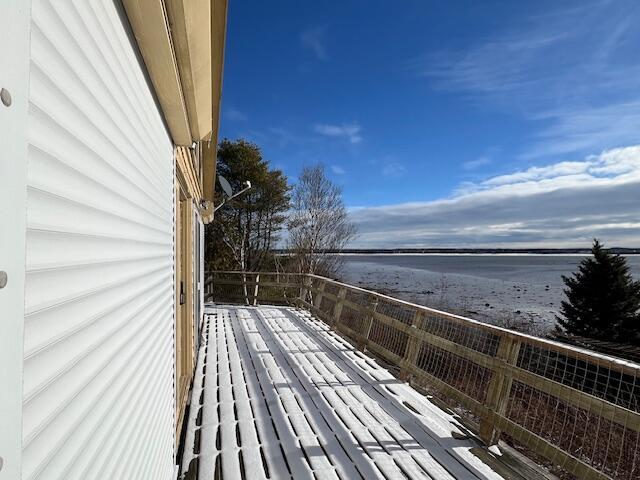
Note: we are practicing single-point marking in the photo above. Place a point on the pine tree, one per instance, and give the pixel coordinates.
(244, 231)
(603, 300)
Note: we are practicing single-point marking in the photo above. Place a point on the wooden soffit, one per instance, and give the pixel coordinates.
(182, 44)
(218, 35)
(150, 27)
(191, 34)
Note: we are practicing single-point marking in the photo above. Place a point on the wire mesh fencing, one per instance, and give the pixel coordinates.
(251, 288)
(578, 410)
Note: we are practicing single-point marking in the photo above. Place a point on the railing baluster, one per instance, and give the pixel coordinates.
(499, 389)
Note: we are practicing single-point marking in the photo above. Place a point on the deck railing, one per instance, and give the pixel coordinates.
(575, 409)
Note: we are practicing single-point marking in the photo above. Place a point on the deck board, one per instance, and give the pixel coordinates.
(278, 395)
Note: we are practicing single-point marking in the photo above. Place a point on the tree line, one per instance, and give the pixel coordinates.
(307, 219)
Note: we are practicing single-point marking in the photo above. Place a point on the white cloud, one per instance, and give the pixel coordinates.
(313, 39)
(350, 131)
(338, 170)
(536, 174)
(563, 204)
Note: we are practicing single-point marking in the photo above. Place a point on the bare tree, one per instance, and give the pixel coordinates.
(318, 225)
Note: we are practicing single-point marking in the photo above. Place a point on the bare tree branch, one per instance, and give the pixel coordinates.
(318, 224)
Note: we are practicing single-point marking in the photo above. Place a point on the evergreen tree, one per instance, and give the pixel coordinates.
(603, 300)
(245, 230)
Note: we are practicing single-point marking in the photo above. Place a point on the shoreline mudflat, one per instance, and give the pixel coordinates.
(521, 292)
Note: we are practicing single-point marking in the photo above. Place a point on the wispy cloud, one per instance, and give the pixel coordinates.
(284, 136)
(393, 169)
(234, 115)
(338, 170)
(562, 204)
(313, 39)
(477, 163)
(350, 131)
(582, 59)
(586, 128)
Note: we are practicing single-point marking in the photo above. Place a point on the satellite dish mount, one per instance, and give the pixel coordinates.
(226, 188)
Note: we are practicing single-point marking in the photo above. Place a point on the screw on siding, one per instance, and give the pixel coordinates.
(5, 96)
(3, 283)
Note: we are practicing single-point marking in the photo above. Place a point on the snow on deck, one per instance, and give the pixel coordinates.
(278, 395)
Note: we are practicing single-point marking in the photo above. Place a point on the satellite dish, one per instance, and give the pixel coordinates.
(227, 189)
(225, 186)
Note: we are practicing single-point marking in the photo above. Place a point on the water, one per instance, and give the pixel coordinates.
(519, 291)
(541, 269)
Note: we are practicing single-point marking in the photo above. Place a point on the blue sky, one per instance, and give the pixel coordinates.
(420, 109)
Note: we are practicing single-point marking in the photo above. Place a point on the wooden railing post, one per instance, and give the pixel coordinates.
(304, 289)
(337, 308)
(317, 300)
(206, 288)
(211, 287)
(499, 389)
(370, 312)
(413, 346)
(256, 289)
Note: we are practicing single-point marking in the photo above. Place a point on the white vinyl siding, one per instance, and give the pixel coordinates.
(98, 328)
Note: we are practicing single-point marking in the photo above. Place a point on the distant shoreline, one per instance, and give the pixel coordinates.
(476, 251)
(479, 254)
(504, 251)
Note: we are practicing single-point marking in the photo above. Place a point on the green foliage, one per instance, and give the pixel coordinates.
(245, 230)
(603, 300)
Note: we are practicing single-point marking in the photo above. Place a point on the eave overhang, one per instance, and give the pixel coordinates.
(182, 44)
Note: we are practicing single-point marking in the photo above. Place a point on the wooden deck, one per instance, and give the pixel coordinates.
(278, 395)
